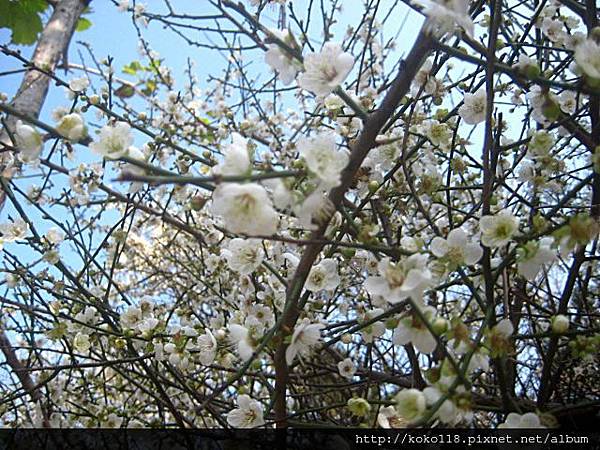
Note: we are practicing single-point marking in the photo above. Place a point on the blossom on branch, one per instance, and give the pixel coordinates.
(279, 60)
(400, 280)
(446, 16)
(323, 159)
(326, 70)
(245, 208)
(248, 414)
(29, 142)
(114, 141)
(498, 230)
(305, 336)
(323, 276)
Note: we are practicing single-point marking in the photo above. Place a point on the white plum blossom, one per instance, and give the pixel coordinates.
(411, 329)
(540, 143)
(498, 230)
(79, 84)
(554, 29)
(263, 314)
(397, 281)
(323, 276)
(29, 142)
(427, 81)
(14, 231)
(240, 336)
(539, 100)
(326, 70)
(376, 329)
(533, 255)
(333, 102)
(244, 255)
(439, 134)
(72, 127)
(134, 169)
(236, 158)
(568, 102)
(587, 57)
(474, 106)
(456, 248)
(305, 336)
(114, 141)
(81, 342)
(112, 421)
(526, 64)
(445, 16)
(248, 414)
(279, 60)
(245, 208)
(527, 420)
(347, 368)
(148, 324)
(388, 417)
(323, 159)
(409, 244)
(314, 209)
(410, 404)
(207, 348)
(560, 324)
(448, 412)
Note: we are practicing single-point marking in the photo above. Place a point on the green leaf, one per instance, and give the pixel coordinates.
(125, 91)
(150, 88)
(22, 17)
(132, 68)
(83, 24)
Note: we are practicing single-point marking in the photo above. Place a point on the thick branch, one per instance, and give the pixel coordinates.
(360, 149)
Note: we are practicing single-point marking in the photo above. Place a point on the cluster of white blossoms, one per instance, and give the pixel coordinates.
(323, 159)
(321, 73)
(205, 259)
(397, 281)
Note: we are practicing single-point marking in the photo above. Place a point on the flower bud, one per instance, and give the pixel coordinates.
(359, 407)
(560, 324)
